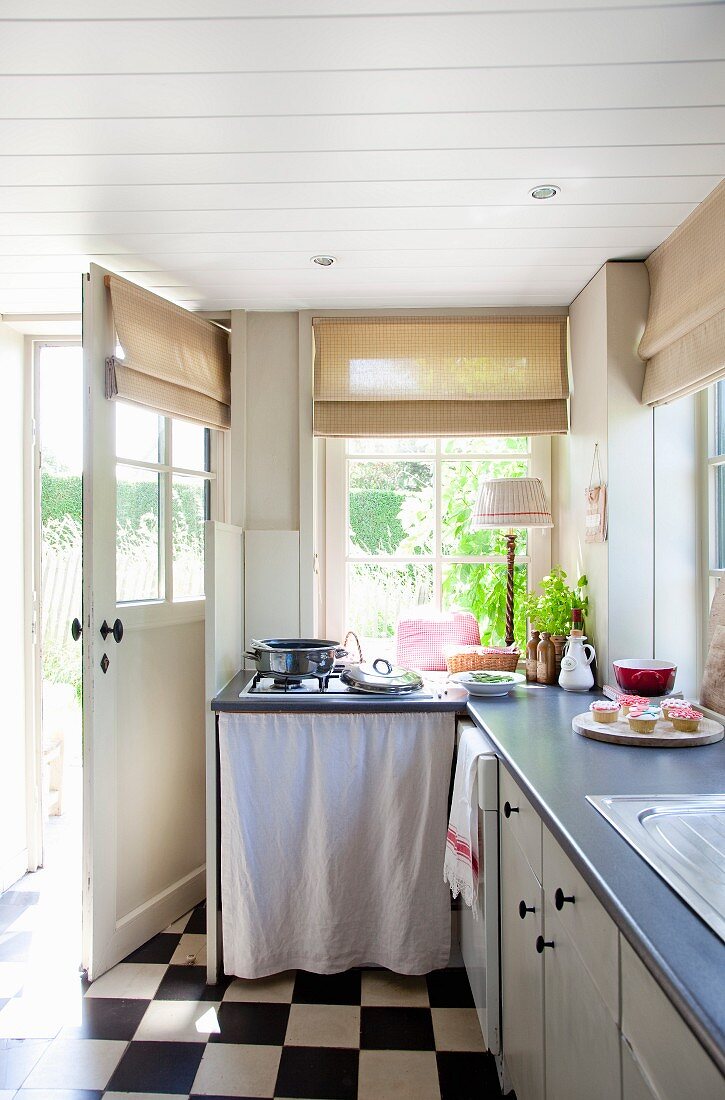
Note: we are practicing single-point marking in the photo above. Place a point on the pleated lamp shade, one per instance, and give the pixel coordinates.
(511, 502)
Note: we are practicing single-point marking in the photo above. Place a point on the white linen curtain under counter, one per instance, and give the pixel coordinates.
(333, 831)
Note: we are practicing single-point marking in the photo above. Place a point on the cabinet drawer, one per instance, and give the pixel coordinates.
(670, 1057)
(589, 927)
(520, 820)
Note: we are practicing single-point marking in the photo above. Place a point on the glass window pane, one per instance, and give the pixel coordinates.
(481, 589)
(459, 487)
(390, 507)
(138, 433)
(391, 446)
(188, 445)
(137, 534)
(377, 595)
(188, 536)
(720, 418)
(486, 445)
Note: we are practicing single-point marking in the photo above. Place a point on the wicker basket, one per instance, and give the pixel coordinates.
(479, 661)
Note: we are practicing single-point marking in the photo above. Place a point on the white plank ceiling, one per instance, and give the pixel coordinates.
(208, 150)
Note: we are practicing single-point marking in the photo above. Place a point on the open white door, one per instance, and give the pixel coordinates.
(144, 697)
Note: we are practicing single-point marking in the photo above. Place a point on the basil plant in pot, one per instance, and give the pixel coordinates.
(550, 609)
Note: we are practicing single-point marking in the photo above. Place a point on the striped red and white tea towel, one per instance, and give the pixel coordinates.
(460, 866)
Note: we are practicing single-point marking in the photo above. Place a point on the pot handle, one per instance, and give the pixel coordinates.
(383, 661)
(340, 652)
(591, 653)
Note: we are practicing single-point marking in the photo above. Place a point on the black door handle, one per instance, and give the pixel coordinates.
(524, 909)
(116, 630)
(508, 809)
(76, 629)
(541, 943)
(560, 899)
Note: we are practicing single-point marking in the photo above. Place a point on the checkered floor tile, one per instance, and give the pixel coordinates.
(152, 1026)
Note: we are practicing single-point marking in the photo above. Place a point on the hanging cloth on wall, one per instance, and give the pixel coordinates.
(596, 504)
(173, 361)
(441, 376)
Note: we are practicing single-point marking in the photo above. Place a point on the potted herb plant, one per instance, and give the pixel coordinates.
(550, 609)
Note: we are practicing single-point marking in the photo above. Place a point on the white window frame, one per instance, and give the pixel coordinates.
(167, 470)
(709, 462)
(538, 558)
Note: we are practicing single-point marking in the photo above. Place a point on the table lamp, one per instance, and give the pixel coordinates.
(507, 503)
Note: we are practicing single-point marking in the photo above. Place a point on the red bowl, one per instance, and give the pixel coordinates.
(645, 677)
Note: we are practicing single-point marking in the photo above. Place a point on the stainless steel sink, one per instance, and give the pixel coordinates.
(683, 838)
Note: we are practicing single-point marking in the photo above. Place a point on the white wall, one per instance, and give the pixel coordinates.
(606, 321)
(677, 529)
(272, 422)
(13, 821)
(572, 456)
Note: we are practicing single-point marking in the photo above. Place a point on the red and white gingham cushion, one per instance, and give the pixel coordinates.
(421, 640)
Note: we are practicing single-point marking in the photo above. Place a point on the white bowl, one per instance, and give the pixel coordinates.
(476, 687)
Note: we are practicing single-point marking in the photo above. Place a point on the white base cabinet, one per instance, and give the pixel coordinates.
(523, 978)
(670, 1060)
(564, 1035)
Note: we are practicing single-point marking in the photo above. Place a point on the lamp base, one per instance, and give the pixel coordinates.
(510, 558)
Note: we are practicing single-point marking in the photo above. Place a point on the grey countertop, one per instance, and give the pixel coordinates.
(557, 768)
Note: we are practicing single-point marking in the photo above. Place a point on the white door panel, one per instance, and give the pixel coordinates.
(143, 718)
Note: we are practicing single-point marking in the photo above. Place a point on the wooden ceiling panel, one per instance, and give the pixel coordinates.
(664, 216)
(327, 133)
(534, 89)
(537, 165)
(498, 39)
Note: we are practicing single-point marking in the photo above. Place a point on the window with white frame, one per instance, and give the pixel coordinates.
(399, 535)
(165, 489)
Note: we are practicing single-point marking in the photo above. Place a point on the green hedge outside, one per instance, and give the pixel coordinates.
(374, 521)
(62, 495)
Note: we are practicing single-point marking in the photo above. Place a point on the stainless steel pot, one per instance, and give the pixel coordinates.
(294, 657)
(381, 678)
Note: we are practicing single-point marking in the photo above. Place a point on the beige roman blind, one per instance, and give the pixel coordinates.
(428, 376)
(173, 361)
(684, 339)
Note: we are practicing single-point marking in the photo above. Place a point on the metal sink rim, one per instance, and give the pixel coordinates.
(625, 813)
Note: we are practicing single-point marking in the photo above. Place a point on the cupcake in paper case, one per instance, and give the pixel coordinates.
(643, 719)
(673, 704)
(604, 711)
(685, 719)
(626, 702)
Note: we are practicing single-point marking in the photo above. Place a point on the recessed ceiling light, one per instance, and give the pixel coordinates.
(323, 261)
(544, 191)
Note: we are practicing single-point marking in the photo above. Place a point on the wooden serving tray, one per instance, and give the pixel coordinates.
(664, 735)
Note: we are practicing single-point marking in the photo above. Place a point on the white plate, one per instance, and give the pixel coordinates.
(475, 688)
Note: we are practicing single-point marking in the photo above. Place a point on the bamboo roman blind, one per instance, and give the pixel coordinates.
(684, 339)
(174, 362)
(429, 376)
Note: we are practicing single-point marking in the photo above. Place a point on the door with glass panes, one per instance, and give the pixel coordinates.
(149, 484)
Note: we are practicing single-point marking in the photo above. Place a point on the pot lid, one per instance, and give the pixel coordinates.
(295, 644)
(381, 675)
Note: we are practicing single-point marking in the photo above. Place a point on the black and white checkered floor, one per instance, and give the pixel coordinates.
(152, 1028)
